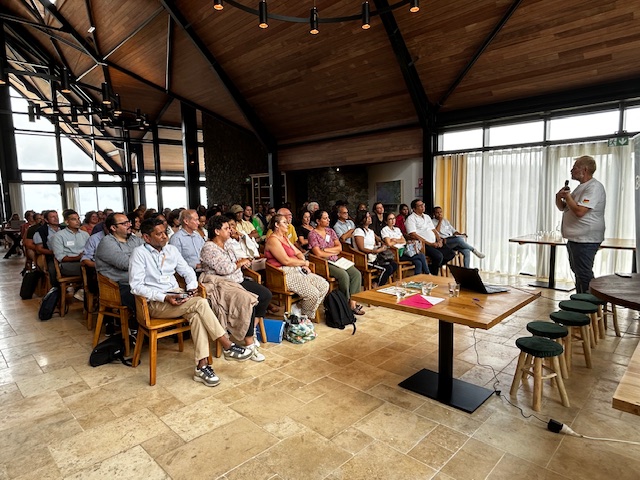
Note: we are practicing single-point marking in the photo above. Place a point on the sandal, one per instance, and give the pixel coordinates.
(358, 310)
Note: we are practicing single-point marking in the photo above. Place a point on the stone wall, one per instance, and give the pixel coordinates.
(230, 156)
(326, 186)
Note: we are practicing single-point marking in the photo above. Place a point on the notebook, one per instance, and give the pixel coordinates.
(469, 279)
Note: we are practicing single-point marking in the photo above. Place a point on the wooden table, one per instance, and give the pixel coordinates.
(553, 241)
(475, 310)
(624, 292)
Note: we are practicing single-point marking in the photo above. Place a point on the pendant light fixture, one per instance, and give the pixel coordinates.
(264, 19)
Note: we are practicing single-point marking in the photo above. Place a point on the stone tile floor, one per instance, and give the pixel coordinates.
(330, 409)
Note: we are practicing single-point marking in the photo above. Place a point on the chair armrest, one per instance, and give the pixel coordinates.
(253, 275)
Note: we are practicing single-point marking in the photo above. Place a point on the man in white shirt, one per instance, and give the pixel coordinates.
(152, 269)
(583, 220)
(452, 238)
(187, 239)
(420, 227)
(68, 244)
(344, 227)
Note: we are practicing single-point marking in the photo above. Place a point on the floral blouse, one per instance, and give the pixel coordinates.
(221, 262)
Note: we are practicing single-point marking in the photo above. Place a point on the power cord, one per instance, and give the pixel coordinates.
(558, 427)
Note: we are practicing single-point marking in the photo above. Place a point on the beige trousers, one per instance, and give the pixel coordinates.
(203, 321)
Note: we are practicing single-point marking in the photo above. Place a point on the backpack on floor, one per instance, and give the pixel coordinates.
(337, 313)
(108, 351)
(49, 303)
(29, 284)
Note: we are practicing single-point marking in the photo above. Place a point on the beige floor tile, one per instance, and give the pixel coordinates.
(199, 418)
(268, 406)
(54, 380)
(482, 456)
(510, 467)
(352, 440)
(449, 417)
(284, 427)
(161, 444)
(91, 446)
(308, 392)
(432, 454)
(48, 472)
(30, 410)
(134, 463)
(381, 462)
(336, 410)
(397, 427)
(306, 456)
(397, 396)
(230, 445)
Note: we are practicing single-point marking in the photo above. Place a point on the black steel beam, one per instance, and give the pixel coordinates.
(169, 60)
(407, 66)
(505, 18)
(263, 134)
(577, 97)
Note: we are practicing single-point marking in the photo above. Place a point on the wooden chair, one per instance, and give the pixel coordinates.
(66, 282)
(155, 329)
(256, 277)
(276, 281)
(362, 264)
(44, 285)
(89, 298)
(322, 268)
(405, 267)
(111, 306)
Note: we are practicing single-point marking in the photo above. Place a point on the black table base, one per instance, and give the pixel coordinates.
(441, 385)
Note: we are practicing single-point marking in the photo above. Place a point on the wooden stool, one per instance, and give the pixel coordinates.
(552, 331)
(585, 308)
(587, 297)
(576, 323)
(532, 351)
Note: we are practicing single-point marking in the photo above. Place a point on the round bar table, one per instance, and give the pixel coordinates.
(624, 292)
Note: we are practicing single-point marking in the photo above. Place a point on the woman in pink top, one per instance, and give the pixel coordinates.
(280, 252)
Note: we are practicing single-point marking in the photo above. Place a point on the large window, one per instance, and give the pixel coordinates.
(462, 139)
(36, 152)
(584, 126)
(74, 158)
(515, 134)
(42, 197)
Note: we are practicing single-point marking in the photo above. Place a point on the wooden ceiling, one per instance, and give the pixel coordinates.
(296, 88)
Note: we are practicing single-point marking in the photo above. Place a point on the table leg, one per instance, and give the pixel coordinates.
(565, 287)
(441, 386)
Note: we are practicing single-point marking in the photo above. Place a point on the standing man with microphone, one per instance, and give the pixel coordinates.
(582, 219)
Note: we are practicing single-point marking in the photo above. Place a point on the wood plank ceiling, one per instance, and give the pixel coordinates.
(297, 88)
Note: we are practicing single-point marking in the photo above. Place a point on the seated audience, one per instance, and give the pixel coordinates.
(27, 241)
(102, 215)
(112, 258)
(402, 217)
(243, 225)
(68, 245)
(291, 232)
(202, 224)
(152, 269)
(173, 221)
(236, 312)
(452, 238)
(393, 238)
(344, 227)
(324, 243)
(313, 207)
(365, 241)
(303, 231)
(281, 252)
(242, 244)
(90, 220)
(41, 242)
(420, 227)
(187, 240)
(378, 219)
(14, 236)
(135, 220)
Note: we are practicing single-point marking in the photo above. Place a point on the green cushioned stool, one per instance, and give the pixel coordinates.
(578, 326)
(587, 308)
(601, 304)
(553, 331)
(532, 351)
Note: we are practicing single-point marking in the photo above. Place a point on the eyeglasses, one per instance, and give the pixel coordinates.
(391, 218)
(128, 222)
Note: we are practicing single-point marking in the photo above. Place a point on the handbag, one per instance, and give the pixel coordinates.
(413, 248)
(385, 257)
(298, 329)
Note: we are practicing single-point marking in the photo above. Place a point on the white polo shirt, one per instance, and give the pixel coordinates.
(422, 225)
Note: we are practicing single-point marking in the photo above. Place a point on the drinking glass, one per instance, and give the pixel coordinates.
(454, 289)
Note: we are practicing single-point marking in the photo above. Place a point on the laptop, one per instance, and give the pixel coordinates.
(16, 224)
(469, 279)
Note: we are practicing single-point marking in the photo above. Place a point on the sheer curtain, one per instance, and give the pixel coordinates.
(511, 193)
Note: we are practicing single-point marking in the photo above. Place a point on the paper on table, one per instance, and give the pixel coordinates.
(421, 301)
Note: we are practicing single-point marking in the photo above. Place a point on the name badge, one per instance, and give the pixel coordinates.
(165, 279)
(327, 238)
(70, 243)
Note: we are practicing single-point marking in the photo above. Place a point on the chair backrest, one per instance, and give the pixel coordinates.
(359, 258)
(276, 279)
(321, 265)
(109, 292)
(142, 311)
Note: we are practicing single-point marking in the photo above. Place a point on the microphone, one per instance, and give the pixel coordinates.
(566, 185)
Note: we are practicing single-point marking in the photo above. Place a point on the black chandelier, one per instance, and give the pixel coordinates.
(314, 18)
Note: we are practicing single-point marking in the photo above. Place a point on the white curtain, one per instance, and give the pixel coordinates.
(511, 193)
(73, 196)
(17, 199)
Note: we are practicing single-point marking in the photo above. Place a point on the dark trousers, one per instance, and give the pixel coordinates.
(419, 262)
(438, 256)
(264, 298)
(581, 257)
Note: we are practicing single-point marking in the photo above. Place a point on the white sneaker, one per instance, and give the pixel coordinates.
(255, 337)
(256, 356)
(79, 295)
(478, 253)
(206, 375)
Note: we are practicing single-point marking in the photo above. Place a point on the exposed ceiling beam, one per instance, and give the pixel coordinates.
(263, 134)
(412, 80)
(505, 18)
(169, 61)
(576, 97)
